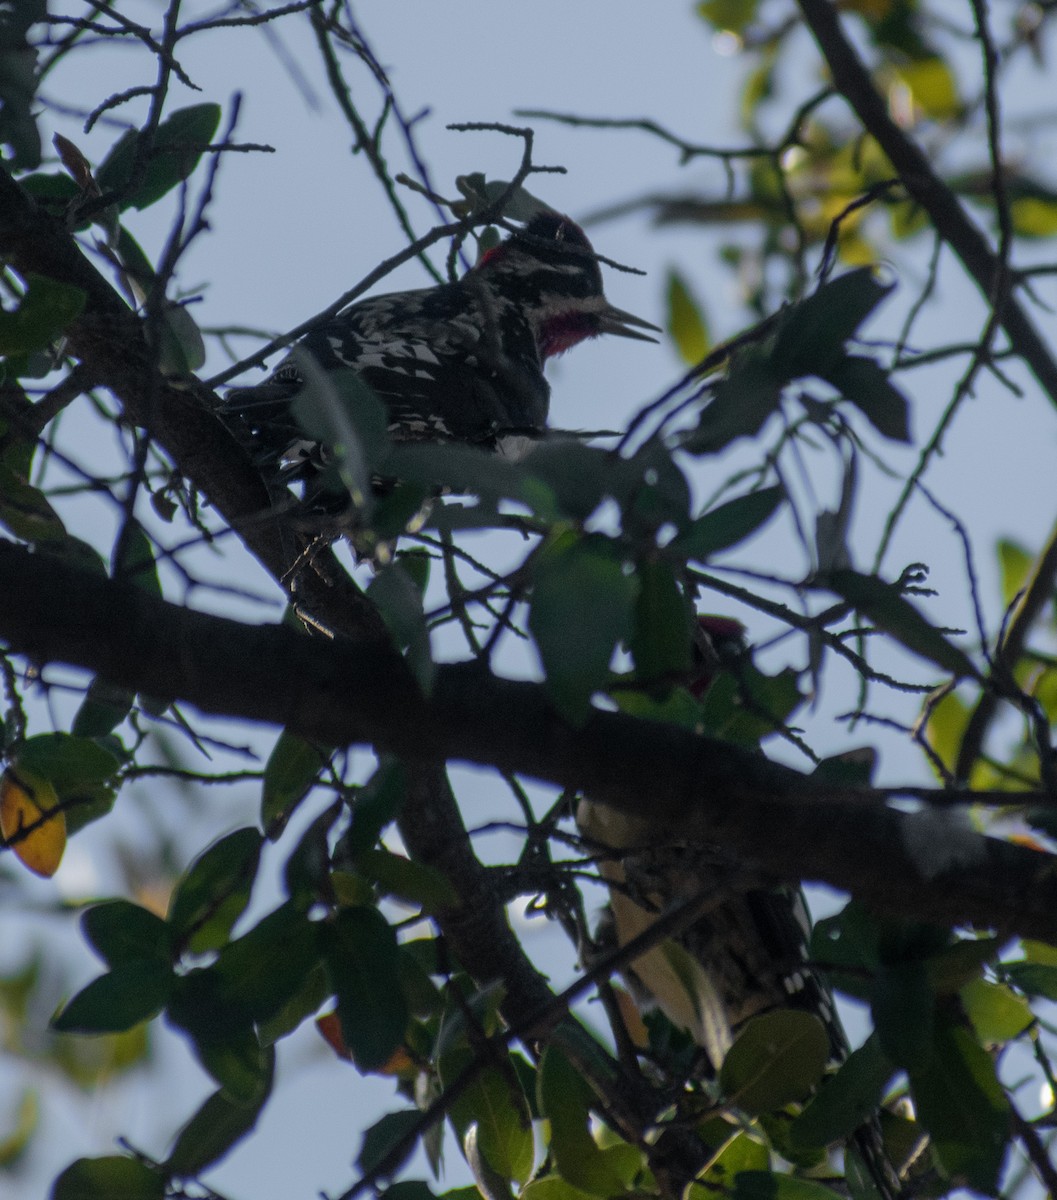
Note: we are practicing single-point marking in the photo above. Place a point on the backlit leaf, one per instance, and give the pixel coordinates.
(28, 803)
(778, 1057)
(112, 1177)
(685, 321)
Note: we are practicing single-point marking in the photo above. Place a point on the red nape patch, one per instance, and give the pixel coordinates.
(561, 333)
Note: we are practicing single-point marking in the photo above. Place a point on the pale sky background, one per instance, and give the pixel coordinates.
(292, 231)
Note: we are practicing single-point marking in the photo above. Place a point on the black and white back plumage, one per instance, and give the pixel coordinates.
(462, 361)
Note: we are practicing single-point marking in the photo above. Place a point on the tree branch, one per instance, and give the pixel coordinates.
(950, 219)
(110, 340)
(770, 815)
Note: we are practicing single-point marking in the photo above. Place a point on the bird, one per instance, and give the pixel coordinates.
(459, 362)
(740, 948)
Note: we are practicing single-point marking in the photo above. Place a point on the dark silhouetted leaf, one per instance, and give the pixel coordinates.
(42, 314)
(903, 1006)
(292, 768)
(882, 604)
(813, 333)
(865, 384)
(121, 931)
(384, 1136)
(112, 1177)
(218, 1126)
(728, 524)
(215, 890)
(376, 805)
(766, 1185)
(959, 1101)
(660, 640)
(581, 607)
(741, 403)
(132, 992)
(847, 1100)
(364, 967)
(176, 150)
(565, 1098)
(103, 709)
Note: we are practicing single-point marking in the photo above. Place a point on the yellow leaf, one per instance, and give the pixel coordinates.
(685, 321)
(26, 802)
(1034, 217)
(932, 85)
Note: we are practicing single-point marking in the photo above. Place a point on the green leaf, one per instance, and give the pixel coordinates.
(959, 1101)
(181, 347)
(849, 939)
(176, 150)
(565, 1099)
(549, 1187)
(765, 1185)
(364, 966)
(960, 963)
(260, 972)
(778, 1057)
(495, 1103)
(400, 604)
(27, 513)
(239, 1063)
(112, 1177)
(132, 992)
(121, 931)
(996, 1014)
(685, 321)
(307, 874)
(581, 606)
(733, 15)
(851, 768)
(1015, 564)
(660, 641)
(813, 334)
(882, 604)
(383, 1137)
(16, 1136)
(103, 709)
(461, 469)
(414, 883)
(81, 770)
(215, 890)
(933, 86)
(216, 1128)
(293, 767)
(728, 524)
(134, 560)
(339, 409)
(903, 1006)
(304, 1003)
(741, 403)
(577, 478)
(42, 314)
(376, 805)
(1033, 978)
(845, 1101)
(19, 65)
(866, 384)
(742, 1152)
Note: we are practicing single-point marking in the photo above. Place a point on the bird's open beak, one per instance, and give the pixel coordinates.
(624, 324)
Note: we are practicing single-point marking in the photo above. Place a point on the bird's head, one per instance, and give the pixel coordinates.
(550, 271)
